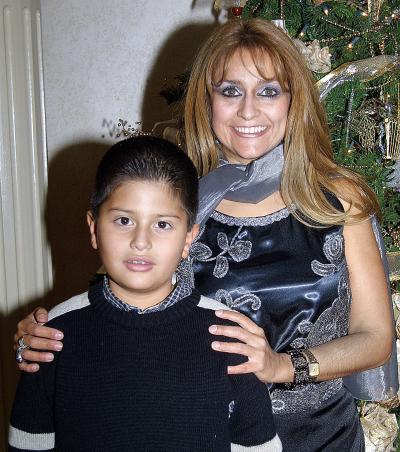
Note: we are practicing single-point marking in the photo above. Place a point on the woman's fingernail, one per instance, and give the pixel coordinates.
(219, 313)
(34, 367)
(215, 345)
(49, 358)
(58, 347)
(58, 335)
(213, 329)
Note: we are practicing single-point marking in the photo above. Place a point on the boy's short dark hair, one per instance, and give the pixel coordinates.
(149, 159)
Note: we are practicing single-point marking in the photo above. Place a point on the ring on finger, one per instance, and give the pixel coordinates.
(21, 343)
(18, 355)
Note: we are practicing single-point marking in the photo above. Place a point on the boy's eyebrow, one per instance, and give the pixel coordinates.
(167, 214)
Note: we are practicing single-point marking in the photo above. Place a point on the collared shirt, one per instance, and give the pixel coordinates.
(181, 290)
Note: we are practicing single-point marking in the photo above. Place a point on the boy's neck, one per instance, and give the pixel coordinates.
(141, 299)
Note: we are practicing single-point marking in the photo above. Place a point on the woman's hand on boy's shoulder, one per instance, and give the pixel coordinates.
(38, 337)
(267, 365)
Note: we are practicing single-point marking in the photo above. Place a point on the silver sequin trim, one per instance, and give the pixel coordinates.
(332, 323)
(250, 221)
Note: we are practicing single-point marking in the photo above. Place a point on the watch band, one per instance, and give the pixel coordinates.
(313, 364)
(300, 365)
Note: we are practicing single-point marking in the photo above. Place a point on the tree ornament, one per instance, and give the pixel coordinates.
(394, 178)
(237, 11)
(318, 60)
(379, 426)
(394, 269)
(235, 6)
(374, 7)
(363, 70)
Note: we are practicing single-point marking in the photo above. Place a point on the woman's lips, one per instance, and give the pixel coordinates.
(250, 132)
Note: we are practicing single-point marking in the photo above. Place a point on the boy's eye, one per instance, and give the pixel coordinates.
(163, 225)
(124, 221)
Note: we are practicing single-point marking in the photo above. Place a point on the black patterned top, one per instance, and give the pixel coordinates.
(289, 278)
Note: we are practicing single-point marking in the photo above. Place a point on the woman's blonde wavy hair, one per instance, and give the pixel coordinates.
(309, 169)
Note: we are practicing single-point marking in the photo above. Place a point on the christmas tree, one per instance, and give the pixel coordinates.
(352, 47)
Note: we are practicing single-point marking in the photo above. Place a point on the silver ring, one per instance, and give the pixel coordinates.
(18, 355)
(22, 344)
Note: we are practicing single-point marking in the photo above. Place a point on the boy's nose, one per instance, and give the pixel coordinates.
(140, 240)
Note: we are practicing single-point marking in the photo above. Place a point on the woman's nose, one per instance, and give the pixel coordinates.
(248, 108)
(141, 239)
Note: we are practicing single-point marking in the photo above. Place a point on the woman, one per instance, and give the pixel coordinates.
(286, 237)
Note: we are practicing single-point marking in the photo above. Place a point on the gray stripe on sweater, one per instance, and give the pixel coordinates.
(274, 445)
(30, 441)
(209, 303)
(78, 302)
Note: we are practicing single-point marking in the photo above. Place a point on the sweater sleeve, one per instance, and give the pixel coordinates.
(251, 421)
(32, 418)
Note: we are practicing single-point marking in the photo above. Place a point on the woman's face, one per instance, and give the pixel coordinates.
(249, 113)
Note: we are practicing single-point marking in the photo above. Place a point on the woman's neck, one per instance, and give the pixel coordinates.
(269, 205)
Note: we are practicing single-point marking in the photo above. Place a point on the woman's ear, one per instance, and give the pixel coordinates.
(92, 228)
(190, 236)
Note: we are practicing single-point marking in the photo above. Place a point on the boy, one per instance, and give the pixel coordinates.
(137, 372)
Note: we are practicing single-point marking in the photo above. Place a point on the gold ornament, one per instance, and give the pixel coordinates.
(365, 128)
(392, 136)
(394, 259)
(392, 131)
(366, 122)
(374, 7)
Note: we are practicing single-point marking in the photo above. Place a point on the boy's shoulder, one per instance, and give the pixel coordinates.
(210, 303)
(72, 304)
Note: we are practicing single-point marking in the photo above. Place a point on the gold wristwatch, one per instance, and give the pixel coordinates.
(313, 364)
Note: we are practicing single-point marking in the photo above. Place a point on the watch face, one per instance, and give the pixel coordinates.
(313, 369)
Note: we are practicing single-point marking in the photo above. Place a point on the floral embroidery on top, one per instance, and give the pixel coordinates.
(225, 297)
(332, 323)
(333, 250)
(239, 250)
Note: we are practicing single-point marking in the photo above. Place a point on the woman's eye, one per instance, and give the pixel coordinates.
(269, 91)
(163, 225)
(231, 91)
(124, 221)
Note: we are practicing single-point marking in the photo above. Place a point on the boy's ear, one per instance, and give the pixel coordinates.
(190, 236)
(92, 227)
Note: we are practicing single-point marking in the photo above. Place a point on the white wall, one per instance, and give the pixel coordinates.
(103, 57)
(103, 60)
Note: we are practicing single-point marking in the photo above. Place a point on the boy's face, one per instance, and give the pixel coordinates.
(141, 234)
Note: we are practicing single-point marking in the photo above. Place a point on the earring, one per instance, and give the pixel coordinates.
(173, 280)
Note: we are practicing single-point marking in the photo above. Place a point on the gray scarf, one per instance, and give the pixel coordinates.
(249, 183)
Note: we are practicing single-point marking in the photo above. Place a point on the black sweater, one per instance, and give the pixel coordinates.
(131, 382)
